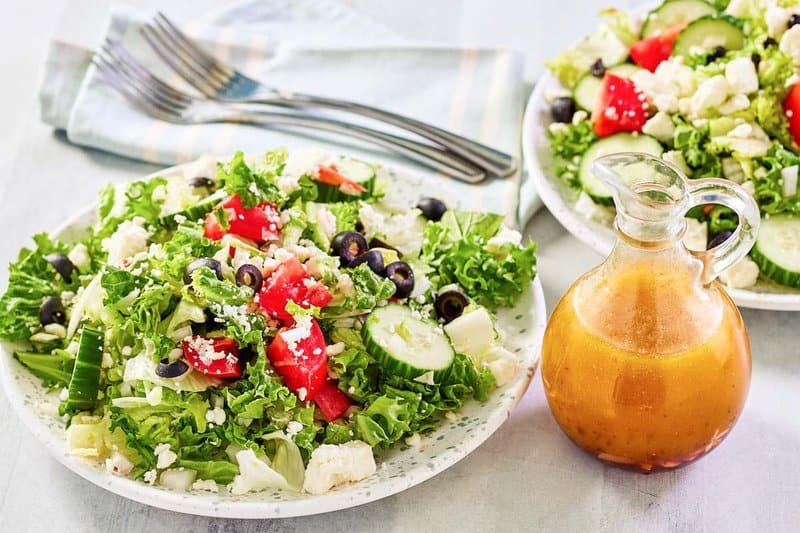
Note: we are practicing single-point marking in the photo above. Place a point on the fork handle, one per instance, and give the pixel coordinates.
(441, 160)
(495, 161)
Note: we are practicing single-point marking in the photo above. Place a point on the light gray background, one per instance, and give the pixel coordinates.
(527, 476)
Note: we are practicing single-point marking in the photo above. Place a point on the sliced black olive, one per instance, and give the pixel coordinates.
(377, 243)
(794, 20)
(598, 69)
(372, 258)
(348, 245)
(207, 262)
(359, 226)
(719, 239)
(165, 369)
(756, 59)
(62, 264)
(432, 209)
(52, 311)
(250, 276)
(202, 181)
(403, 278)
(202, 328)
(769, 41)
(562, 109)
(718, 53)
(450, 304)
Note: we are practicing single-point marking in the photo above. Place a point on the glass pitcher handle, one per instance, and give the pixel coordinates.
(724, 192)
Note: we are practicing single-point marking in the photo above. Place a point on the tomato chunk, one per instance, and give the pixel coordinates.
(218, 357)
(290, 282)
(260, 223)
(330, 175)
(621, 106)
(331, 401)
(791, 109)
(298, 355)
(649, 53)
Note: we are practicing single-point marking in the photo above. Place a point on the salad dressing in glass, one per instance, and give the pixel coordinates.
(646, 360)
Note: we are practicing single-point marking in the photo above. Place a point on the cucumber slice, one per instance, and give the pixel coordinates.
(777, 249)
(85, 382)
(587, 89)
(674, 12)
(195, 212)
(406, 345)
(358, 171)
(619, 142)
(707, 32)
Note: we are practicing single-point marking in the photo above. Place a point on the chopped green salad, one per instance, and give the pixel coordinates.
(711, 87)
(264, 323)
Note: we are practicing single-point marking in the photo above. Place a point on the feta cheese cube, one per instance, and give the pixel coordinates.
(333, 465)
(735, 103)
(790, 44)
(119, 465)
(741, 76)
(741, 275)
(710, 94)
(660, 126)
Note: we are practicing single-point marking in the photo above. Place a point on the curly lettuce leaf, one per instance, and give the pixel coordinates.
(185, 245)
(123, 202)
(769, 183)
(54, 369)
(456, 248)
(252, 186)
(31, 279)
(691, 141)
(568, 143)
(367, 291)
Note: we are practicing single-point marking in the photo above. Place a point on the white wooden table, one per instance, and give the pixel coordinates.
(527, 476)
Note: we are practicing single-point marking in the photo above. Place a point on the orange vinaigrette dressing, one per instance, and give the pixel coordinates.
(654, 383)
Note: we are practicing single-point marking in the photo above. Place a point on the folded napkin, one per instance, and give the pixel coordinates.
(313, 46)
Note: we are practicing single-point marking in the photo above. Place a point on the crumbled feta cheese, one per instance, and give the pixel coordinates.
(790, 44)
(299, 163)
(164, 456)
(735, 103)
(732, 170)
(777, 18)
(426, 378)
(741, 75)
(293, 428)
(502, 364)
(205, 484)
(660, 126)
(302, 393)
(119, 465)
(579, 116)
(79, 256)
(129, 239)
(150, 476)
(326, 220)
(216, 416)
(696, 236)
(741, 275)
(331, 465)
(107, 361)
(334, 349)
(710, 94)
(127, 351)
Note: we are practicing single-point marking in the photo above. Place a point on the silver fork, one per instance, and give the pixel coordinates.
(165, 102)
(219, 81)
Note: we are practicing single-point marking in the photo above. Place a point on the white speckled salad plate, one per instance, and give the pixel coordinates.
(399, 468)
(560, 199)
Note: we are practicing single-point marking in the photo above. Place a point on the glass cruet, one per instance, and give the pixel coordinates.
(646, 359)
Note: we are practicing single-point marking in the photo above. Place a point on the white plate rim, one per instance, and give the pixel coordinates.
(192, 503)
(590, 232)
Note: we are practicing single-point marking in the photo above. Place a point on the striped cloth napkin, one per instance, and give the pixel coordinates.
(314, 46)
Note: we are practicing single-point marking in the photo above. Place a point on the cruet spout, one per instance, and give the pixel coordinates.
(652, 197)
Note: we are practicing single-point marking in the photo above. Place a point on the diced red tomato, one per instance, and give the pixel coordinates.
(791, 109)
(649, 53)
(290, 282)
(331, 176)
(260, 223)
(331, 401)
(621, 106)
(218, 357)
(298, 355)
